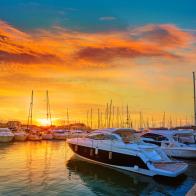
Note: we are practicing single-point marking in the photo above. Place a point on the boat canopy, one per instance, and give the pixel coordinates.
(182, 136)
(171, 132)
(125, 134)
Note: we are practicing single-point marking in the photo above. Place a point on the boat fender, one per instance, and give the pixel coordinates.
(91, 152)
(76, 148)
(135, 167)
(96, 151)
(110, 155)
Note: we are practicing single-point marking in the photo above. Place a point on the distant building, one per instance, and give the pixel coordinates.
(13, 124)
(3, 125)
(75, 126)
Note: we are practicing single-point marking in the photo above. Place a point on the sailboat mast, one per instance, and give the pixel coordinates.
(163, 122)
(30, 111)
(32, 108)
(48, 108)
(87, 118)
(127, 116)
(141, 120)
(194, 98)
(91, 118)
(47, 105)
(98, 118)
(110, 113)
(67, 116)
(117, 115)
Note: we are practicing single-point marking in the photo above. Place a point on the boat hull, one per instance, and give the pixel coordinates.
(34, 138)
(47, 137)
(5, 139)
(128, 162)
(20, 137)
(117, 160)
(60, 136)
(129, 169)
(181, 153)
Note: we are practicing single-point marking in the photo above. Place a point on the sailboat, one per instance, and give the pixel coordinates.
(34, 135)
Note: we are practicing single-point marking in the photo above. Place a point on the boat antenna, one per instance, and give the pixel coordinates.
(194, 93)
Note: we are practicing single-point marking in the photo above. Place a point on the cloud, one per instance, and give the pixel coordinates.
(109, 53)
(23, 58)
(74, 49)
(107, 18)
(165, 35)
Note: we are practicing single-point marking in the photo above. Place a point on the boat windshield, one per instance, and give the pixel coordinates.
(153, 154)
(185, 138)
(102, 136)
(155, 137)
(127, 135)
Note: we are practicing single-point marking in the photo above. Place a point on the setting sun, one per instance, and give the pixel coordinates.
(44, 122)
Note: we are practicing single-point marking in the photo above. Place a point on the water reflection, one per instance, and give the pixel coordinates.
(49, 167)
(108, 181)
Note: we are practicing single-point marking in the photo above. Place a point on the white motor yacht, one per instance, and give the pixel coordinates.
(6, 135)
(60, 134)
(20, 136)
(77, 133)
(176, 143)
(120, 148)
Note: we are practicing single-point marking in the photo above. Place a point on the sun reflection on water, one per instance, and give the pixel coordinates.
(49, 167)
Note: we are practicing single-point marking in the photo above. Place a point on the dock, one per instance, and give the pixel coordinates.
(192, 191)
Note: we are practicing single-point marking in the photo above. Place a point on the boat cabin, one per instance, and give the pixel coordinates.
(122, 134)
(180, 136)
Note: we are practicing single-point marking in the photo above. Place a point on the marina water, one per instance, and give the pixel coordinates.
(50, 168)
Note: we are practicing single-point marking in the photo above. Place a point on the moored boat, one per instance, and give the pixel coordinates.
(47, 135)
(20, 136)
(60, 134)
(120, 148)
(77, 133)
(6, 135)
(176, 143)
(34, 136)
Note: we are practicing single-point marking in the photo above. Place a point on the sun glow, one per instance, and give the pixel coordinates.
(44, 122)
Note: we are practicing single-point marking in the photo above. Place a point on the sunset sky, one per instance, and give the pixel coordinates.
(86, 52)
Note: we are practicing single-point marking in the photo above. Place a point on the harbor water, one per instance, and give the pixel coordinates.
(50, 168)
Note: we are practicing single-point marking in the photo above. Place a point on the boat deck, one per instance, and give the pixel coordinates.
(170, 166)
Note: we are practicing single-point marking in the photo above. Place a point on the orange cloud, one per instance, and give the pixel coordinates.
(79, 49)
(165, 35)
(136, 66)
